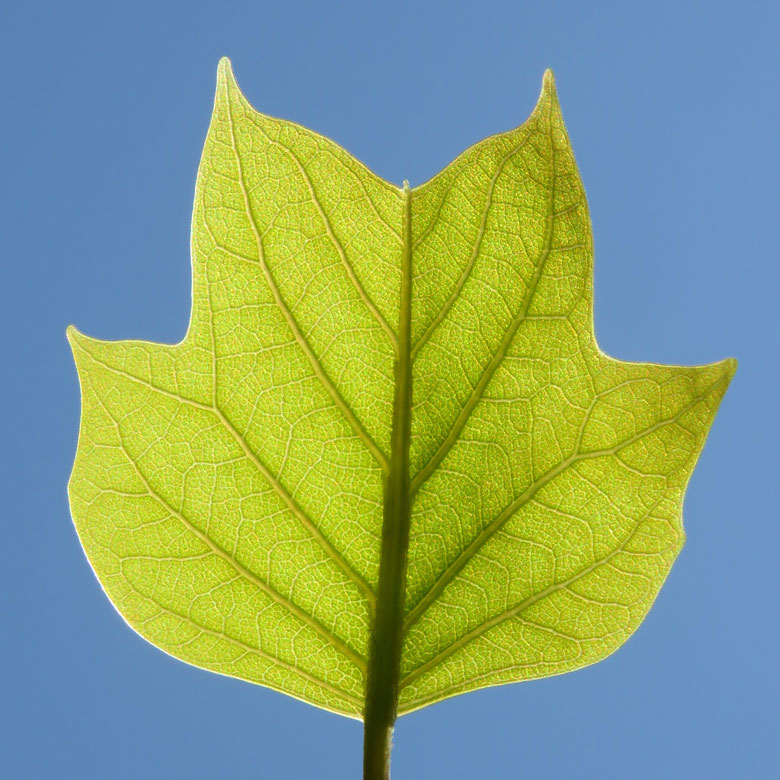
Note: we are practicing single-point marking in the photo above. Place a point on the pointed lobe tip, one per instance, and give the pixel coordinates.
(548, 82)
(225, 71)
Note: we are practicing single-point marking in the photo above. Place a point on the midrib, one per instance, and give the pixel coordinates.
(385, 652)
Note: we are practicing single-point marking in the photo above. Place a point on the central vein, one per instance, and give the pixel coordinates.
(385, 653)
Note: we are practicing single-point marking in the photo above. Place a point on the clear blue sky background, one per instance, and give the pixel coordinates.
(673, 112)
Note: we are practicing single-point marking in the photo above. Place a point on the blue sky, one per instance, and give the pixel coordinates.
(673, 113)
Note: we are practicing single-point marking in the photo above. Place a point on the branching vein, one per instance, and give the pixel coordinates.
(319, 371)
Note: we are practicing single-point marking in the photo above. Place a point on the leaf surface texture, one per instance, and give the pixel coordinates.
(228, 490)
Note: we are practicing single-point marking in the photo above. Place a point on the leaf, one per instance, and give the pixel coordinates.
(231, 491)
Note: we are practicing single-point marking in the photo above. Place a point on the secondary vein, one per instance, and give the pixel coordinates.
(245, 646)
(370, 305)
(481, 539)
(500, 353)
(519, 608)
(319, 370)
(247, 574)
(466, 273)
(277, 486)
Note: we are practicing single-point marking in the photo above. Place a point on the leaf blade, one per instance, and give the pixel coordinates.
(229, 490)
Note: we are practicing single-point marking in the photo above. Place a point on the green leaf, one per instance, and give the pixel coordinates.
(364, 357)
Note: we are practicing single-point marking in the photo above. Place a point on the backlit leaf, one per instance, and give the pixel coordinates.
(229, 490)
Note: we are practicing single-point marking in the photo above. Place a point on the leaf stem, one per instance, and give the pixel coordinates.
(384, 662)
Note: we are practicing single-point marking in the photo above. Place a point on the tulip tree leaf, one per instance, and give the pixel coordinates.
(229, 490)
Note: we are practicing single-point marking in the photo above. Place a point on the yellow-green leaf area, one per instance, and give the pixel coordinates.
(229, 490)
